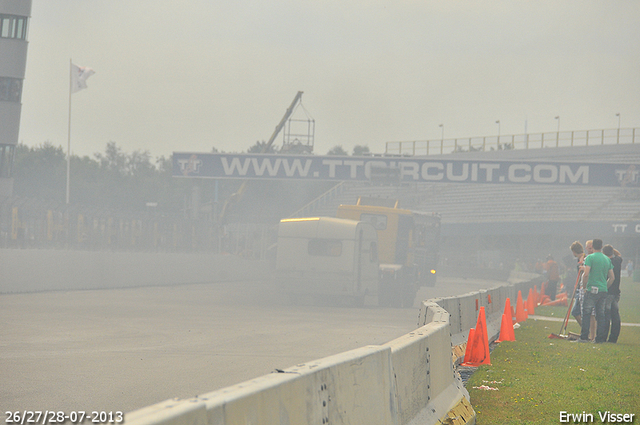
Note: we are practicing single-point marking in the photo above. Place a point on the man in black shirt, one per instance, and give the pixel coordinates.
(612, 313)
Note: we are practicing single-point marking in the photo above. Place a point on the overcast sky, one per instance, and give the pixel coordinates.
(189, 76)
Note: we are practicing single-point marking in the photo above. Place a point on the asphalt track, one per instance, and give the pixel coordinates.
(123, 349)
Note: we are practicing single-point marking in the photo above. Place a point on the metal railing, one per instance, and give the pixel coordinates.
(521, 141)
(323, 199)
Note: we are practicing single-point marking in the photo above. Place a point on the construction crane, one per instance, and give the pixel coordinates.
(236, 197)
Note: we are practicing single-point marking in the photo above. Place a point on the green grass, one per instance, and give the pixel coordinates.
(629, 311)
(538, 377)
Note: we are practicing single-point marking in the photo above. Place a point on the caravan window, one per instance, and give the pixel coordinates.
(325, 247)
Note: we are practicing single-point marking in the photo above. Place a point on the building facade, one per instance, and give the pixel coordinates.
(14, 20)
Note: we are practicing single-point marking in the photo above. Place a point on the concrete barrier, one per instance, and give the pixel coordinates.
(468, 311)
(410, 380)
(423, 371)
(355, 387)
(171, 412)
(34, 270)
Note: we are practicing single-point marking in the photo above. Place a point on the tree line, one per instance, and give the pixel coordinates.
(132, 181)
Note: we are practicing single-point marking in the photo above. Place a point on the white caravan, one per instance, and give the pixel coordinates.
(328, 258)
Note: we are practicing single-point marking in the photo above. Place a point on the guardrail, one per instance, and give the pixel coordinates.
(520, 141)
(327, 196)
(408, 380)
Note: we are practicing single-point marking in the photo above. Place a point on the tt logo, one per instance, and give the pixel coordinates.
(628, 176)
(190, 166)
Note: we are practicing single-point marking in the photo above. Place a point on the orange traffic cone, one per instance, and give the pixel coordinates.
(558, 301)
(531, 303)
(536, 295)
(508, 309)
(506, 330)
(467, 351)
(506, 327)
(478, 354)
(521, 315)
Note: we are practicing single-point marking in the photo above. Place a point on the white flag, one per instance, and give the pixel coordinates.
(79, 76)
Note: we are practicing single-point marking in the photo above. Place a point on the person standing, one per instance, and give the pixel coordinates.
(553, 276)
(578, 252)
(597, 277)
(611, 310)
(588, 246)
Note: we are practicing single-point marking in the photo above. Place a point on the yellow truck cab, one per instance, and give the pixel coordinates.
(331, 258)
(408, 246)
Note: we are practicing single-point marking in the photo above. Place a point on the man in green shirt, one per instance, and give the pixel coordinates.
(597, 277)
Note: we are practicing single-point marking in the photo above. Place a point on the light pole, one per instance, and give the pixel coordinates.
(498, 122)
(618, 135)
(441, 138)
(558, 131)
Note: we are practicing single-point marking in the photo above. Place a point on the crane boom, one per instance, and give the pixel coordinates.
(284, 119)
(236, 197)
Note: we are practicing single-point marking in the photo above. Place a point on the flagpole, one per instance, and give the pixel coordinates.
(69, 132)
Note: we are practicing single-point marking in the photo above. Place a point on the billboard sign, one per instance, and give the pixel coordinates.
(409, 169)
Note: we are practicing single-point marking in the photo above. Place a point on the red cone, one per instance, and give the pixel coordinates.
(531, 302)
(521, 315)
(467, 351)
(506, 326)
(506, 330)
(479, 351)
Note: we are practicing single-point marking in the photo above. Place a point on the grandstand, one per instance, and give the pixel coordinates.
(516, 220)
